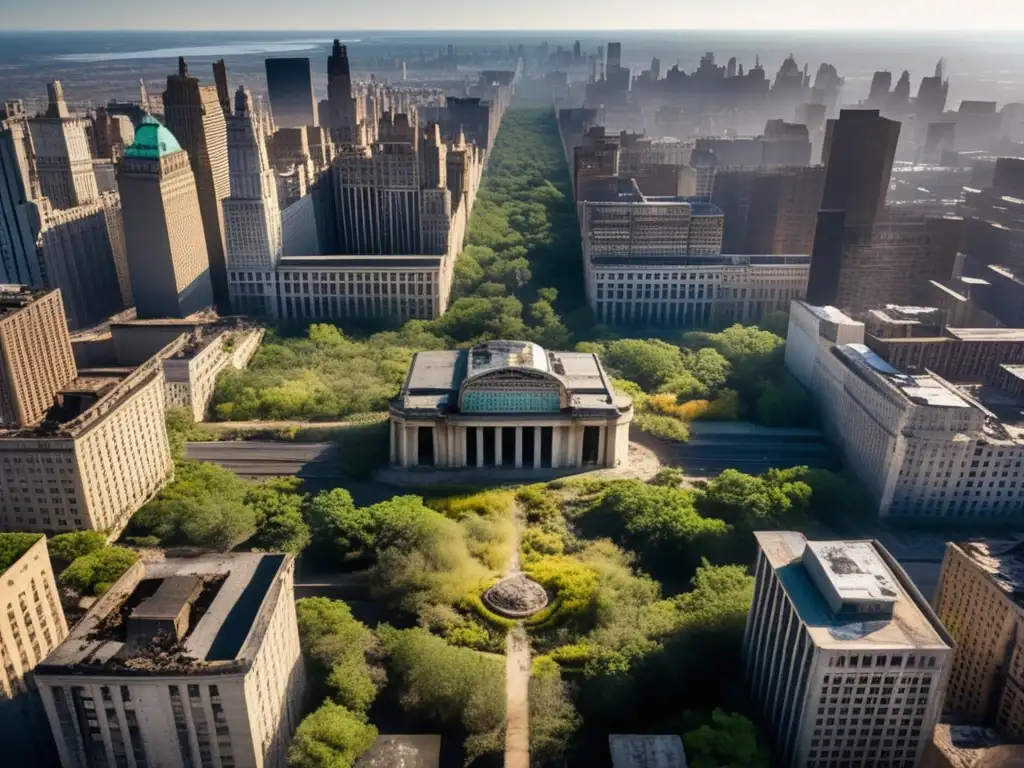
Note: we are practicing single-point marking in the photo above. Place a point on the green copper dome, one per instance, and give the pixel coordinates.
(152, 140)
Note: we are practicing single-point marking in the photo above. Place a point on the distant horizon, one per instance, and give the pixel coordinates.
(531, 31)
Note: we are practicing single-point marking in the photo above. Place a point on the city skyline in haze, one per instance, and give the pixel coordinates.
(386, 15)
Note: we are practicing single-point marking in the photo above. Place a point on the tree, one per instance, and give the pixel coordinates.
(649, 363)
(728, 741)
(69, 546)
(285, 532)
(449, 686)
(751, 501)
(685, 386)
(553, 718)
(331, 737)
(14, 545)
(97, 571)
(339, 645)
(336, 525)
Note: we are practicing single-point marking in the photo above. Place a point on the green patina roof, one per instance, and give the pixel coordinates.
(152, 140)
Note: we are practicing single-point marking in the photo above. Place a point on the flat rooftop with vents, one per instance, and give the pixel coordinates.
(204, 614)
(850, 594)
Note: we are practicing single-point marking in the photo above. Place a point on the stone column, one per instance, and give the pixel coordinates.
(556, 447)
(403, 445)
(578, 445)
(537, 431)
(497, 446)
(601, 433)
(519, 447)
(392, 443)
(414, 447)
(479, 446)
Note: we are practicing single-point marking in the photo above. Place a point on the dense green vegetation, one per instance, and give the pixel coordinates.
(13, 546)
(331, 737)
(96, 572)
(66, 547)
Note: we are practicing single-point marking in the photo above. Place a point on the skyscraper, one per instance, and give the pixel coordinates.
(19, 263)
(220, 79)
(858, 156)
(195, 116)
(63, 158)
(252, 219)
(845, 660)
(35, 354)
(290, 84)
(978, 599)
(163, 225)
(343, 119)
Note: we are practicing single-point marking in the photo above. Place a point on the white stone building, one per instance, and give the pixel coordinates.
(509, 404)
(845, 660)
(920, 446)
(229, 694)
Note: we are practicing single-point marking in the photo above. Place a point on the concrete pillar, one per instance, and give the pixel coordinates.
(497, 446)
(611, 433)
(601, 432)
(414, 448)
(556, 447)
(537, 431)
(392, 442)
(479, 446)
(578, 445)
(519, 447)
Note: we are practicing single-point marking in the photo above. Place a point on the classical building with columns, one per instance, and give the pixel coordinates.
(509, 404)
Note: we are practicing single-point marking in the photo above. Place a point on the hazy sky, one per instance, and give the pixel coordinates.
(511, 14)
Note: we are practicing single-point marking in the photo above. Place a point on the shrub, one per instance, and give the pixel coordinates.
(665, 427)
(449, 686)
(96, 572)
(14, 545)
(331, 737)
(67, 547)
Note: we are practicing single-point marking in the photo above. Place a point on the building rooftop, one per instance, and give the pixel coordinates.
(436, 377)
(1002, 560)
(850, 565)
(227, 601)
(152, 141)
(987, 334)
(646, 751)
(13, 546)
(15, 297)
(349, 262)
(970, 746)
(923, 389)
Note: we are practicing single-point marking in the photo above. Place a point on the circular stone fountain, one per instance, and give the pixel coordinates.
(516, 597)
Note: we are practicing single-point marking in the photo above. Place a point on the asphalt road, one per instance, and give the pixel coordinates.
(254, 458)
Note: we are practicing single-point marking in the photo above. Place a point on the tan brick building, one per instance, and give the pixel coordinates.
(31, 625)
(35, 353)
(978, 600)
(232, 698)
(99, 455)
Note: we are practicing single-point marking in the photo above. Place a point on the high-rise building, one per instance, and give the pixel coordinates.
(290, 84)
(31, 627)
(220, 79)
(878, 94)
(163, 226)
(19, 262)
(858, 154)
(652, 260)
(63, 157)
(344, 114)
(252, 218)
(845, 660)
(392, 198)
(195, 116)
(81, 250)
(978, 600)
(921, 447)
(771, 209)
(112, 132)
(35, 354)
(232, 694)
